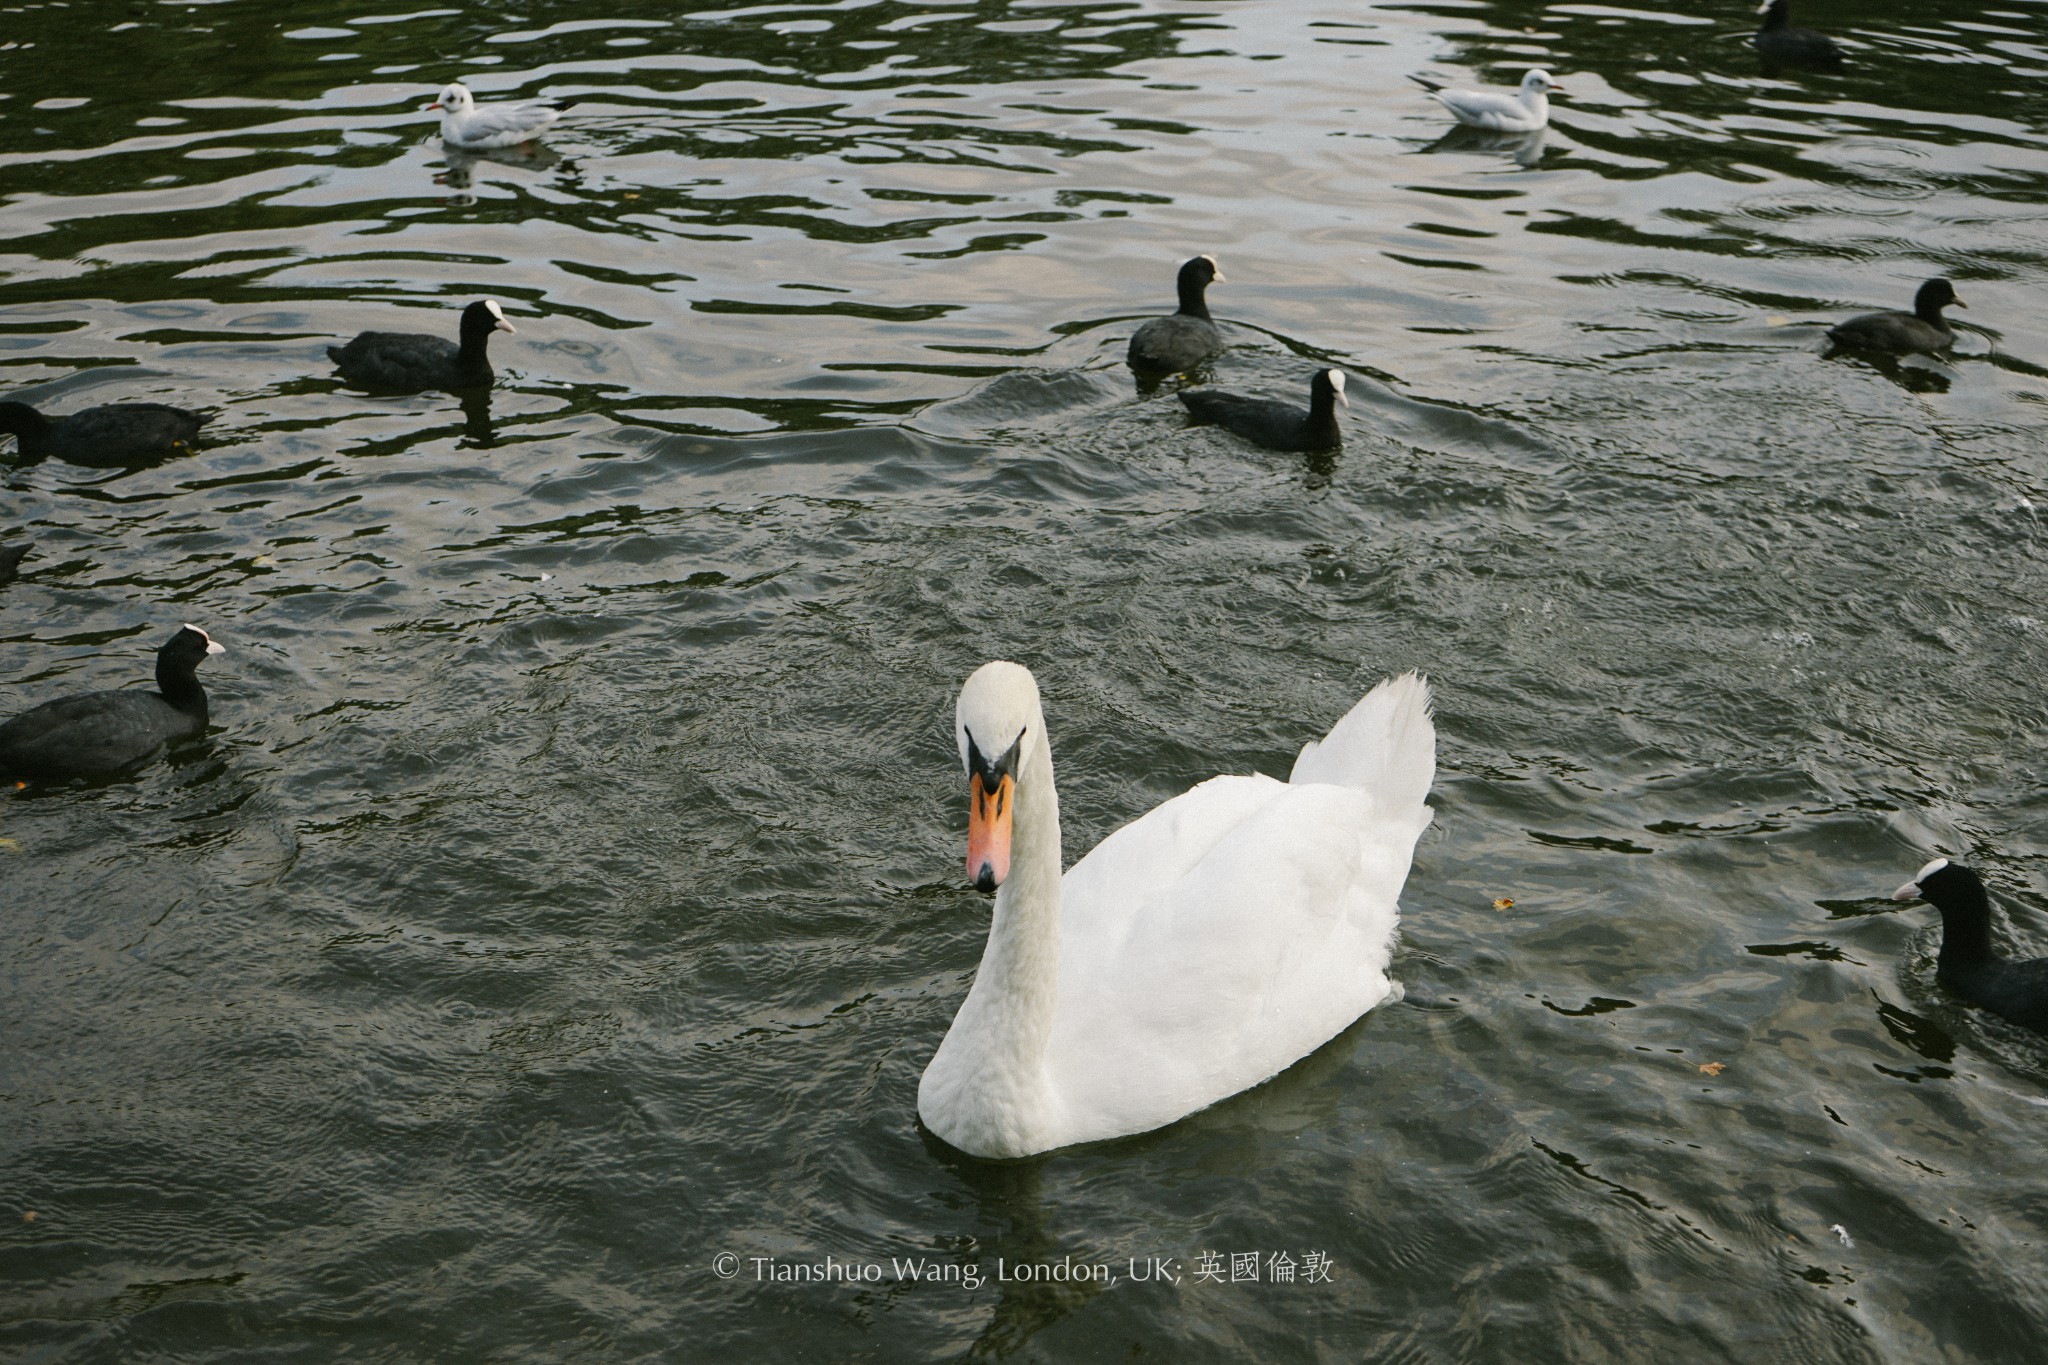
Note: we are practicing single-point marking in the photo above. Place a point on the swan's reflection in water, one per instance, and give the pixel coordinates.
(1008, 1198)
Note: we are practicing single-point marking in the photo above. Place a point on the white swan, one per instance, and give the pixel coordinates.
(1195, 952)
(1523, 112)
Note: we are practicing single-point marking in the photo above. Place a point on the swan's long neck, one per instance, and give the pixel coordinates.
(987, 1090)
(1014, 990)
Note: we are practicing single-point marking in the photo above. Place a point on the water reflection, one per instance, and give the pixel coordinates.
(476, 417)
(1524, 149)
(1009, 1198)
(1911, 374)
(462, 163)
(829, 409)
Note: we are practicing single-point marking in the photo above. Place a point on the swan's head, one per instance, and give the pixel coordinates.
(998, 707)
(1538, 82)
(454, 99)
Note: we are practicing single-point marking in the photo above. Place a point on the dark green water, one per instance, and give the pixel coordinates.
(571, 891)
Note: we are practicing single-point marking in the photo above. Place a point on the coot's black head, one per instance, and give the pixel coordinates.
(1775, 13)
(182, 653)
(482, 318)
(1195, 278)
(19, 419)
(1948, 886)
(1327, 388)
(1934, 296)
(1200, 271)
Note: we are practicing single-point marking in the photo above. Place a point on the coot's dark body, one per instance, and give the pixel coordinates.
(1778, 43)
(2017, 991)
(10, 560)
(1272, 423)
(1896, 333)
(108, 437)
(102, 733)
(1166, 346)
(411, 362)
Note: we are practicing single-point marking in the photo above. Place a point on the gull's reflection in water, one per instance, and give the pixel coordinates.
(463, 165)
(1524, 149)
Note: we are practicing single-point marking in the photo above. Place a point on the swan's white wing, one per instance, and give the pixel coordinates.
(498, 125)
(1479, 109)
(1385, 743)
(1215, 941)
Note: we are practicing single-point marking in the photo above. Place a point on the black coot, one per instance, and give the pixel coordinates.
(1272, 423)
(10, 560)
(1168, 345)
(106, 437)
(1967, 965)
(1779, 43)
(105, 732)
(1896, 333)
(409, 362)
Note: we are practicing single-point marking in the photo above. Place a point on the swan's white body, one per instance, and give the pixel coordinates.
(465, 123)
(1197, 951)
(1523, 112)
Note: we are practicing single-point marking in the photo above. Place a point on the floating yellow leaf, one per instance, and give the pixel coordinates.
(28, 1215)
(1713, 1068)
(9, 845)
(1503, 903)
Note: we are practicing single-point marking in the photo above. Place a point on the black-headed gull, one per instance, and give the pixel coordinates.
(1519, 113)
(465, 123)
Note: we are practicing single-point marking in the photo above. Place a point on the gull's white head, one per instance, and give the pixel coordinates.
(454, 99)
(1538, 82)
(992, 723)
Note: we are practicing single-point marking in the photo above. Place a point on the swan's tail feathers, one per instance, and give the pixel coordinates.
(1385, 744)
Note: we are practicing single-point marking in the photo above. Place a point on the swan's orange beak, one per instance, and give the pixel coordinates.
(988, 831)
